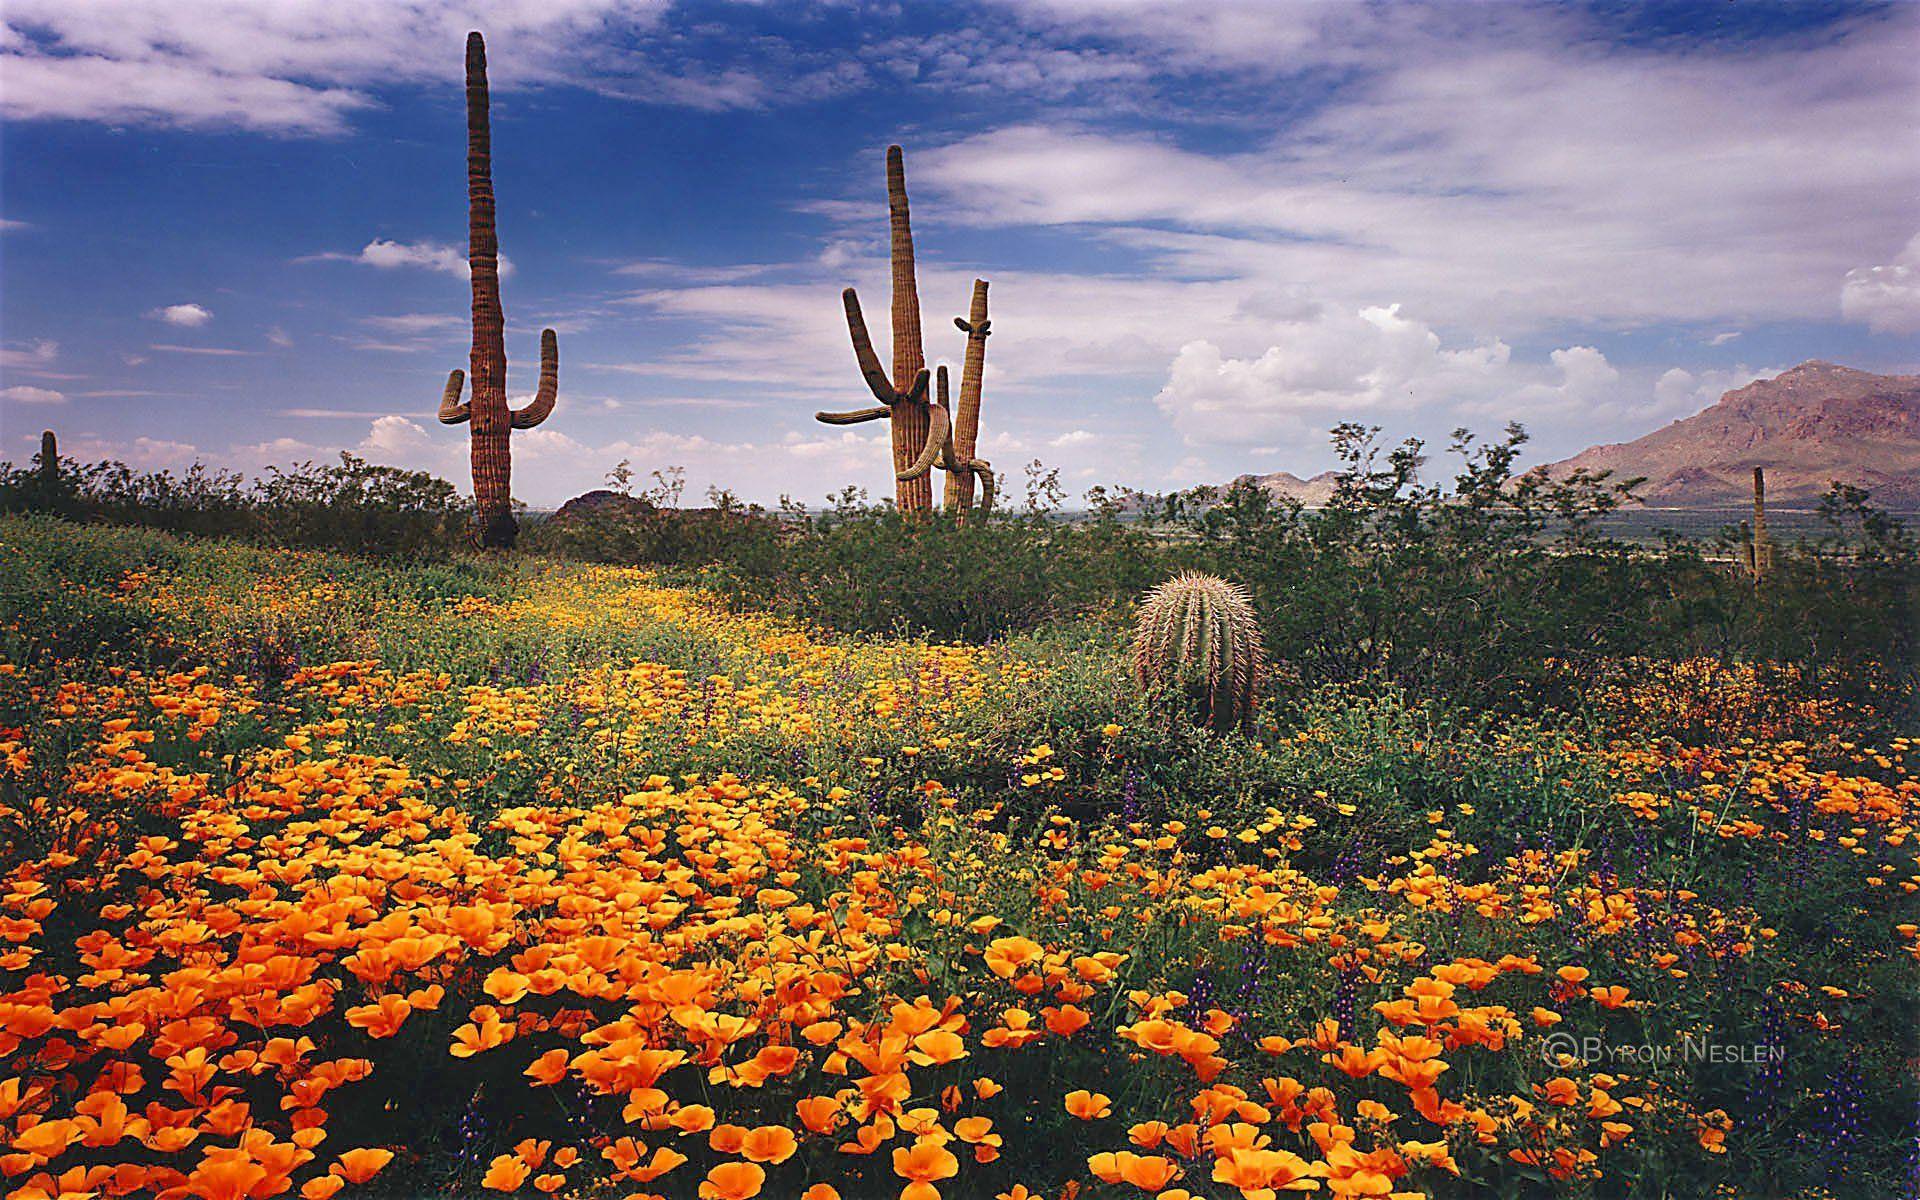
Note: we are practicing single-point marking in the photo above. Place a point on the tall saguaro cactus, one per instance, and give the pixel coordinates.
(489, 419)
(902, 395)
(49, 462)
(1760, 552)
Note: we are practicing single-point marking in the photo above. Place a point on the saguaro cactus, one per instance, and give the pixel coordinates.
(488, 416)
(49, 463)
(1760, 552)
(903, 395)
(1196, 638)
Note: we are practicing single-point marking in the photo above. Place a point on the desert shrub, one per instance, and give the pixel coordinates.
(878, 570)
(352, 506)
(634, 530)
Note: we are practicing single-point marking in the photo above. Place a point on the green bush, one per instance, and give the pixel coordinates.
(352, 506)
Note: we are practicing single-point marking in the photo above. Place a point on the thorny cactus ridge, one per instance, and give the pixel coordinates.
(1196, 638)
(489, 419)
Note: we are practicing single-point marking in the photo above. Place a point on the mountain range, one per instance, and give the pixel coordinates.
(1809, 427)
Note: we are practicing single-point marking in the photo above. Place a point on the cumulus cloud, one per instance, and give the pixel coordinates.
(1334, 364)
(1886, 298)
(27, 394)
(1681, 393)
(187, 316)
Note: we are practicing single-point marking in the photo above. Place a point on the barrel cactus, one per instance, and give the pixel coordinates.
(1197, 639)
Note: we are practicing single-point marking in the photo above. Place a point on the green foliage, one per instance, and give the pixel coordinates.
(353, 506)
(881, 571)
(641, 529)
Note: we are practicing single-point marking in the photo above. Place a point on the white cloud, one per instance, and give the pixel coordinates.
(1331, 365)
(187, 316)
(25, 394)
(417, 322)
(146, 453)
(387, 254)
(34, 358)
(1721, 339)
(1886, 298)
(1681, 393)
(208, 351)
(297, 67)
(93, 87)
(277, 336)
(1504, 185)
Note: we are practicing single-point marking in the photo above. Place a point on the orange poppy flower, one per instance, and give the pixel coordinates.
(769, 1144)
(821, 1114)
(1005, 956)
(1066, 1020)
(1088, 1106)
(358, 1166)
(923, 1163)
(733, 1181)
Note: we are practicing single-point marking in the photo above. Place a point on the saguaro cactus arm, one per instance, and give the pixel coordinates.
(856, 417)
(878, 381)
(940, 450)
(939, 445)
(541, 406)
(452, 410)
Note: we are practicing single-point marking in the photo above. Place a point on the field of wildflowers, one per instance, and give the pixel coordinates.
(333, 877)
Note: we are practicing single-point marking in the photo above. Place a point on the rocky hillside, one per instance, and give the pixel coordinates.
(1808, 427)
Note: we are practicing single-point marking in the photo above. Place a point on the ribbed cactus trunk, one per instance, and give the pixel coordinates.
(910, 421)
(49, 463)
(1760, 553)
(958, 497)
(492, 455)
(492, 422)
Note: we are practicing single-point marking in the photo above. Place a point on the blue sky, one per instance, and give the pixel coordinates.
(234, 231)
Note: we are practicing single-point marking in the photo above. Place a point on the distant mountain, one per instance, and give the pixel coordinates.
(1286, 485)
(1808, 427)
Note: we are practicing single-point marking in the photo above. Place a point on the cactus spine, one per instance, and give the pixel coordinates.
(488, 417)
(903, 395)
(1196, 638)
(1760, 552)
